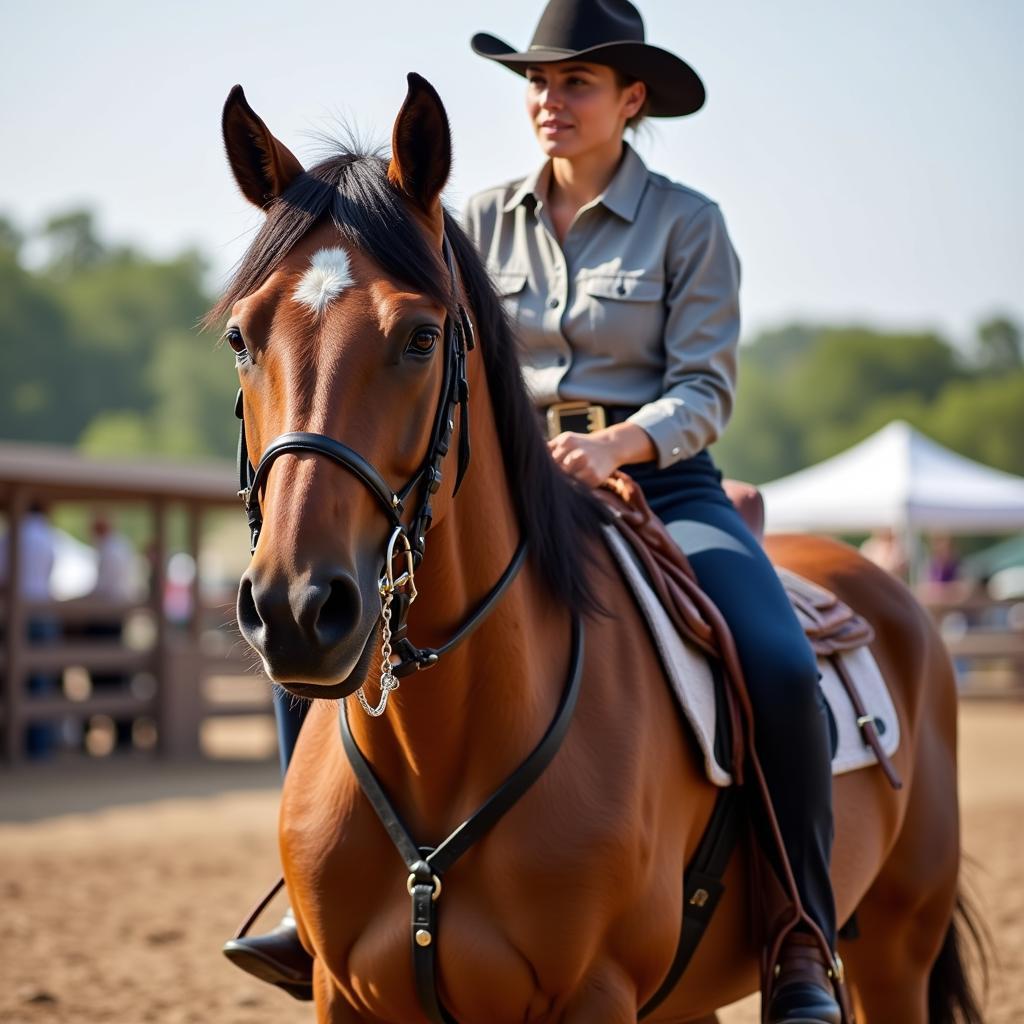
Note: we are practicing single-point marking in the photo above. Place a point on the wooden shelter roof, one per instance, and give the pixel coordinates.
(54, 472)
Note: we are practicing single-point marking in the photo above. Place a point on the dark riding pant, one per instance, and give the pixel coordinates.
(792, 728)
(792, 731)
(290, 713)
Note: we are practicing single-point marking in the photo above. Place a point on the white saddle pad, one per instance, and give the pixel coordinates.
(693, 685)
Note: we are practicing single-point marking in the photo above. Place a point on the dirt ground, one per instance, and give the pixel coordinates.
(119, 883)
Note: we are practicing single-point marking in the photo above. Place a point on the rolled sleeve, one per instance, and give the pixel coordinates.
(702, 329)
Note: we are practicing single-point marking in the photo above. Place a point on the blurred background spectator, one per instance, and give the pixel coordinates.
(36, 556)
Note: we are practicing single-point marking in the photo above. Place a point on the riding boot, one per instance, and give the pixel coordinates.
(797, 768)
(804, 988)
(277, 957)
(794, 747)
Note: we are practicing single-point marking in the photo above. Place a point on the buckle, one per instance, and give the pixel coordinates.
(579, 417)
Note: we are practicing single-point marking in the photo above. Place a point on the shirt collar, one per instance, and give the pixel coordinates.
(622, 196)
(624, 191)
(534, 186)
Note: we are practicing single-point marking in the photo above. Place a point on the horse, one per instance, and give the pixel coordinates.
(361, 320)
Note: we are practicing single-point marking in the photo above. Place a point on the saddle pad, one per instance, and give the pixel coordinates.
(693, 684)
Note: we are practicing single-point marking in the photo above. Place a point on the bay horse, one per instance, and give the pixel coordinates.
(342, 318)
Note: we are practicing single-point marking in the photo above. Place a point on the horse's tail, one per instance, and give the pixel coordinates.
(952, 995)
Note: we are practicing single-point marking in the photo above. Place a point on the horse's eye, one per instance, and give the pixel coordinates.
(233, 336)
(424, 341)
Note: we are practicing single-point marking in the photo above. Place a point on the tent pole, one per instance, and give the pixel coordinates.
(909, 540)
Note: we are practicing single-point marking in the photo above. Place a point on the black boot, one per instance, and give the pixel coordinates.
(277, 957)
(804, 988)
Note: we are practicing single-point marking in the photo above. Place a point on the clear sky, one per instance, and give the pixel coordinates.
(868, 155)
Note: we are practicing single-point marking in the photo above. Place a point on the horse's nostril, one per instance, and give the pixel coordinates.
(310, 619)
(339, 614)
(248, 615)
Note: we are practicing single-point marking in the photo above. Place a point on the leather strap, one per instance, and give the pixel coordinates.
(413, 658)
(702, 886)
(868, 728)
(300, 441)
(428, 865)
(264, 902)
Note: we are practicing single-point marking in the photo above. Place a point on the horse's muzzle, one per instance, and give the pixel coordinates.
(311, 634)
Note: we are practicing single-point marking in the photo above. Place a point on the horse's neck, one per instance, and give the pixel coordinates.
(453, 732)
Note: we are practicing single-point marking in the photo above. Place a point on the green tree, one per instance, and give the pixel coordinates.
(194, 383)
(764, 440)
(73, 243)
(807, 392)
(999, 345)
(121, 308)
(11, 238)
(849, 369)
(39, 371)
(93, 346)
(983, 419)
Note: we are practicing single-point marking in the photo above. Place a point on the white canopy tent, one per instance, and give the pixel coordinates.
(901, 479)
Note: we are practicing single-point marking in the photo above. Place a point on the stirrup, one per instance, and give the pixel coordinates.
(278, 957)
(807, 986)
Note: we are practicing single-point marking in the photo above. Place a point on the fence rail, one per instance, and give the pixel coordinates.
(177, 679)
(985, 639)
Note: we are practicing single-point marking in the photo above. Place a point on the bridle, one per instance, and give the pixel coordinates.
(406, 543)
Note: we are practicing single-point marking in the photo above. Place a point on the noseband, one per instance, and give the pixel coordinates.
(406, 543)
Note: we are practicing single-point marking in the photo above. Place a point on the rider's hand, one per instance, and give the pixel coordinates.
(592, 458)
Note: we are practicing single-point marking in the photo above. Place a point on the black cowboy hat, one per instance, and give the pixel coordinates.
(603, 32)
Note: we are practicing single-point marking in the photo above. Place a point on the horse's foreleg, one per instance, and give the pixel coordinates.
(331, 1007)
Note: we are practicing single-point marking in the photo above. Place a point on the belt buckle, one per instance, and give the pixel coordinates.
(579, 417)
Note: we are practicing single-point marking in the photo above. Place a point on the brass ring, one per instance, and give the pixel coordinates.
(437, 885)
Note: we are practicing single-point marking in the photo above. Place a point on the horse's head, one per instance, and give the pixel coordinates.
(348, 341)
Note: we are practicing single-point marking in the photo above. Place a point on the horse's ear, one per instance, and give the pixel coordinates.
(421, 147)
(263, 167)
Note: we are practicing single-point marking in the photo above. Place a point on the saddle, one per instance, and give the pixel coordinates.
(832, 628)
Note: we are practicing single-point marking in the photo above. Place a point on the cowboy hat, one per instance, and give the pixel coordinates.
(603, 32)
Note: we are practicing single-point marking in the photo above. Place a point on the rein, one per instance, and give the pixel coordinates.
(406, 543)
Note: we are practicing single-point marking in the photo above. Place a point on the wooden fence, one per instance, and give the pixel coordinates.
(986, 641)
(173, 679)
(53, 652)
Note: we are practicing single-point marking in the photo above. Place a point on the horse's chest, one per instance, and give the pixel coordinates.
(510, 923)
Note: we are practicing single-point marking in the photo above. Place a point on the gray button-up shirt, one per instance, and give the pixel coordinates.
(639, 305)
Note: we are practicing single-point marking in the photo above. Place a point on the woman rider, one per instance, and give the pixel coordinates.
(624, 288)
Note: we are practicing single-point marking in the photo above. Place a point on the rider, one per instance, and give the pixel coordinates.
(625, 290)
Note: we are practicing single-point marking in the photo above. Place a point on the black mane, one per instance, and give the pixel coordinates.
(559, 518)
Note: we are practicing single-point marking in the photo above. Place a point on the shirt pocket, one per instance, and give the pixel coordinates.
(510, 286)
(626, 317)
